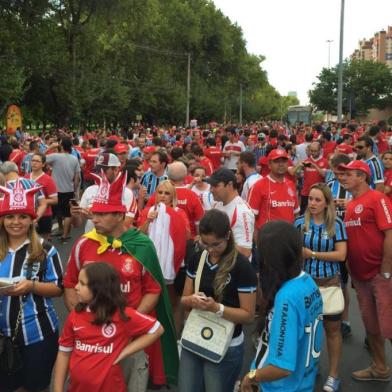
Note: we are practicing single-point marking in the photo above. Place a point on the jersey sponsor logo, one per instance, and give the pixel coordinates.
(182, 202)
(386, 211)
(93, 348)
(77, 328)
(125, 287)
(358, 209)
(309, 299)
(246, 227)
(282, 329)
(287, 203)
(108, 330)
(353, 223)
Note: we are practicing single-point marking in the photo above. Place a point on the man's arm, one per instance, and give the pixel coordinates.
(70, 298)
(386, 265)
(148, 303)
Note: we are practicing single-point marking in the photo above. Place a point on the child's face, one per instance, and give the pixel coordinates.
(82, 290)
(387, 161)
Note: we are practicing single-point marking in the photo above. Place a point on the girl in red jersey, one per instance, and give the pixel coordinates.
(97, 334)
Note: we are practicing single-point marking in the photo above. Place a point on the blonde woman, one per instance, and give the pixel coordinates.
(33, 271)
(325, 247)
(227, 288)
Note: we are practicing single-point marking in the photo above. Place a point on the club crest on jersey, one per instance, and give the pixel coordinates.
(358, 209)
(127, 267)
(108, 330)
(290, 192)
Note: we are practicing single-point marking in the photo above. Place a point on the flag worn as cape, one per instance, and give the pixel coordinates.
(142, 249)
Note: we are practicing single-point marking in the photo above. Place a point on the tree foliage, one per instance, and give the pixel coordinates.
(89, 61)
(366, 85)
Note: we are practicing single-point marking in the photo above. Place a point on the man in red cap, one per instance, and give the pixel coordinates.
(368, 223)
(274, 197)
(133, 256)
(122, 151)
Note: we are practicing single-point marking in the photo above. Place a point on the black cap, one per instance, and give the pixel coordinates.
(221, 175)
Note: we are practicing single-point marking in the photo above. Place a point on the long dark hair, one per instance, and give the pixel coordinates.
(217, 223)
(280, 248)
(104, 283)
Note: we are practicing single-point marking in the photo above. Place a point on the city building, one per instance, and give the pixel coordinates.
(377, 48)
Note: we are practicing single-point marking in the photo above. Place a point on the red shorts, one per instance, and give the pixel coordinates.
(375, 302)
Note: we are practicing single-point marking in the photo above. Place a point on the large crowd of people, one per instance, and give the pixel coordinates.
(229, 225)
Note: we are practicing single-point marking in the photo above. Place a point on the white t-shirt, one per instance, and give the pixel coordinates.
(231, 163)
(206, 198)
(242, 220)
(249, 182)
(89, 194)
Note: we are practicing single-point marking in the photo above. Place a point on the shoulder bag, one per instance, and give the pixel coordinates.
(206, 334)
(332, 295)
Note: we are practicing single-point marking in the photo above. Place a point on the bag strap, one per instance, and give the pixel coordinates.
(200, 270)
(23, 298)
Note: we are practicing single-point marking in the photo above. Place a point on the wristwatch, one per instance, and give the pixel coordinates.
(252, 375)
(219, 313)
(313, 254)
(386, 275)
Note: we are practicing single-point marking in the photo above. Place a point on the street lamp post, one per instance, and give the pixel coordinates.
(329, 41)
(188, 90)
(340, 71)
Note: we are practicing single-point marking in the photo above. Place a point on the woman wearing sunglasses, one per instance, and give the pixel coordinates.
(227, 288)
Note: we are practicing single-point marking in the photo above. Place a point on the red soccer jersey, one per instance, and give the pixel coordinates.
(17, 156)
(135, 280)
(48, 187)
(388, 181)
(207, 164)
(190, 203)
(94, 348)
(271, 200)
(89, 157)
(215, 156)
(311, 175)
(328, 148)
(366, 219)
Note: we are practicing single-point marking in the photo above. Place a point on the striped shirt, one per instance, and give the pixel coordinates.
(339, 192)
(376, 171)
(26, 163)
(151, 181)
(316, 238)
(39, 317)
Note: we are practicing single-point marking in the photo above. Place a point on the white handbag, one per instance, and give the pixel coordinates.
(206, 334)
(333, 300)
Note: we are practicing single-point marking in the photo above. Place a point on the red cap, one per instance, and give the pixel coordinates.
(149, 149)
(276, 154)
(109, 196)
(119, 148)
(356, 165)
(18, 200)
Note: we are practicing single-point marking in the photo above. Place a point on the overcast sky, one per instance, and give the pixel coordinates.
(292, 34)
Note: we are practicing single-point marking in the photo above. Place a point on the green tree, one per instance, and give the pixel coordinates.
(366, 85)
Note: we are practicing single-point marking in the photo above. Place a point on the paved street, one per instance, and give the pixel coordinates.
(355, 356)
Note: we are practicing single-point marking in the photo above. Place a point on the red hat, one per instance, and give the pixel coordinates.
(109, 196)
(357, 165)
(149, 149)
(18, 200)
(276, 154)
(119, 148)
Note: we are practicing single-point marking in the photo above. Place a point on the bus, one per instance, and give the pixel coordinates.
(299, 114)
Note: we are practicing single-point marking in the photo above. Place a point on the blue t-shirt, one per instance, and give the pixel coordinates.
(293, 336)
(317, 239)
